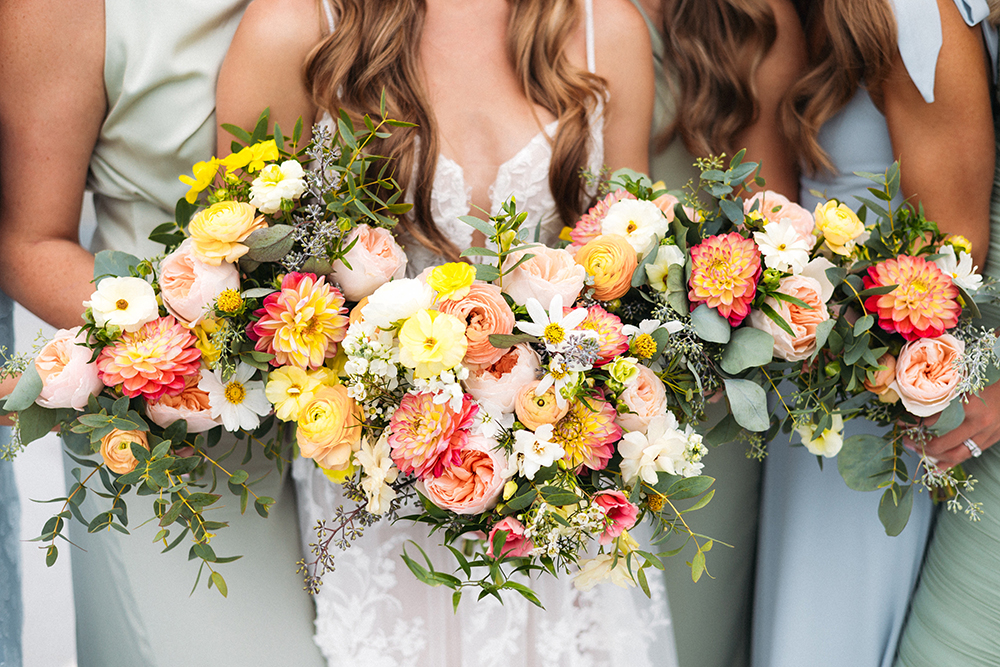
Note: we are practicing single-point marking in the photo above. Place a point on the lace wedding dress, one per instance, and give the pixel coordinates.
(372, 612)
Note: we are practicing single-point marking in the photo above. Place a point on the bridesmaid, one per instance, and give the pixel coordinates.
(123, 108)
(888, 80)
(722, 67)
(10, 525)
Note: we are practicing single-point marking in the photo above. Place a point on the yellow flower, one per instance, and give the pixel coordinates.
(217, 232)
(329, 428)
(840, 226)
(204, 174)
(116, 450)
(252, 157)
(960, 243)
(452, 281)
(229, 301)
(203, 330)
(289, 389)
(431, 342)
(339, 476)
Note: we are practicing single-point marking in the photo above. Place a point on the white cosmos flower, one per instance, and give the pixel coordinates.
(240, 402)
(534, 451)
(552, 326)
(275, 183)
(397, 300)
(783, 247)
(662, 448)
(641, 222)
(127, 303)
(650, 326)
(378, 472)
(559, 374)
(961, 270)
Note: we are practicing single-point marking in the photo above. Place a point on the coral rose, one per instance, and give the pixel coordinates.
(375, 259)
(116, 450)
(516, 545)
(610, 260)
(218, 231)
(645, 397)
(803, 321)
(473, 485)
(190, 286)
(68, 377)
(329, 428)
(881, 383)
(485, 312)
(191, 405)
(536, 410)
(926, 376)
(500, 382)
(620, 512)
(551, 271)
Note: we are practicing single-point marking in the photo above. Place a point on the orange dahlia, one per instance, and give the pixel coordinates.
(588, 433)
(608, 328)
(152, 362)
(427, 437)
(923, 305)
(302, 324)
(724, 273)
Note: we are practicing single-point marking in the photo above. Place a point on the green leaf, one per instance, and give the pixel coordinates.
(29, 386)
(220, 583)
(553, 495)
(949, 419)
(486, 228)
(872, 291)
(51, 554)
(863, 324)
(239, 477)
(776, 318)
(894, 512)
(748, 403)
(697, 566)
(727, 430)
(35, 422)
(688, 487)
(183, 212)
(523, 500)
(270, 244)
(486, 272)
(747, 348)
(823, 330)
(478, 252)
(257, 292)
(114, 263)
(704, 500)
(865, 462)
(501, 341)
(709, 325)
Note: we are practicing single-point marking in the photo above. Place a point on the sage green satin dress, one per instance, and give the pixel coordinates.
(134, 605)
(711, 618)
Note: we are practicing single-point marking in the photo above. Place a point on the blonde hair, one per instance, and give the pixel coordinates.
(374, 49)
(715, 48)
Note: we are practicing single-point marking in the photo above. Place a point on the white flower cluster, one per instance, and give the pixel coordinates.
(275, 183)
(663, 448)
(372, 361)
(551, 536)
(378, 472)
(446, 387)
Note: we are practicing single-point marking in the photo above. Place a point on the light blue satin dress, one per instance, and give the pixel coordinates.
(832, 588)
(10, 513)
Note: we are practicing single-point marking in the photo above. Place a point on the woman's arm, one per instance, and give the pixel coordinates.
(52, 105)
(263, 68)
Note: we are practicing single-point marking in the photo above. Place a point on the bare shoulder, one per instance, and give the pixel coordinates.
(297, 24)
(618, 23)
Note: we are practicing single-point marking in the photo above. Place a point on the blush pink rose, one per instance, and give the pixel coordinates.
(499, 382)
(646, 398)
(551, 271)
(189, 286)
(473, 485)
(68, 377)
(375, 259)
(620, 512)
(516, 545)
(191, 405)
(778, 208)
(485, 312)
(803, 321)
(926, 377)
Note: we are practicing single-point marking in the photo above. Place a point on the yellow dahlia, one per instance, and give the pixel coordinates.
(302, 324)
(151, 362)
(588, 433)
(924, 303)
(724, 273)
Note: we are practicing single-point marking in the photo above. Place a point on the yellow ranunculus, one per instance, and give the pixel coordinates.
(329, 428)
(116, 450)
(252, 158)
(217, 232)
(289, 389)
(203, 330)
(431, 342)
(840, 225)
(339, 476)
(204, 174)
(452, 281)
(960, 243)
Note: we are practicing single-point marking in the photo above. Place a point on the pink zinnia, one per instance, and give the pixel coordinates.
(620, 512)
(588, 433)
(924, 303)
(588, 227)
(301, 324)
(427, 437)
(608, 328)
(151, 362)
(724, 273)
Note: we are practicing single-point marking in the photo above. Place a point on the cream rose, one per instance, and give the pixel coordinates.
(191, 405)
(68, 377)
(645, 397)
(840, 226)
(551, 271)
(485, 312)
(218, 231)
(803, 321)
(535, 410)
(500, 382)
(474, 485)
(189, 286)
(828, 443)
(926, 376)
(375, 259)
(116, 450)
(329, 428)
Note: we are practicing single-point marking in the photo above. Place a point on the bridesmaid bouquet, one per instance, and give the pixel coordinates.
(216, 335)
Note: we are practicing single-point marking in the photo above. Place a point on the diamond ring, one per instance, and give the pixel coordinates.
(973, 447)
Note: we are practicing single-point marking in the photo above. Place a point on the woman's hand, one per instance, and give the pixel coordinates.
(981, 425)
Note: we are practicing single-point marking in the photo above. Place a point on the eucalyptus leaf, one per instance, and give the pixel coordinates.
(270, 244)
(29, 386)
(747, 348)
(950, 418)
(727, 430)
(748, 404)
(709, 325)
(257, 292)
(317, 265)
(35, 422)
(865, 462)
(501, 341)
(894, 512)
(114, 263)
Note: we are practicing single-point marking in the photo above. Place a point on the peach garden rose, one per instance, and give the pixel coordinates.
(375, 259)
(68, 377)
(551, 271)
(485, 312)
(189, 286)
(473, 485)
(645, 397)
(803, 321)
(926, 376)
(500, 382)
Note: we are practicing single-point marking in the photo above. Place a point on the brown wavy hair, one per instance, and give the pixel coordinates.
(715, 48)
(852, 42)
(374, 49)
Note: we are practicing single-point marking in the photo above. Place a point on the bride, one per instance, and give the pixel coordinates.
(509, 98)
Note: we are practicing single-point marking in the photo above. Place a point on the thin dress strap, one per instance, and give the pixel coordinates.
(328, 12)
(588, 6)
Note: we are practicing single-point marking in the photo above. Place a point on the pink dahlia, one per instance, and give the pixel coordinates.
(724, 273)
(608, 328)
(588, 433)
(588, 227)
(621, 514)
(427, 437)
(923, 305)
(301, 324)
(152, 362)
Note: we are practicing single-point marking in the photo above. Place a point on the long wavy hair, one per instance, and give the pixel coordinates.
(374, 49)
(715, 48)
(851, 43)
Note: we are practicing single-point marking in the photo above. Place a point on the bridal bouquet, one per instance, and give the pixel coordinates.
(178, 349)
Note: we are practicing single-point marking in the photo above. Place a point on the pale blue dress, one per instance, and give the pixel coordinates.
(10, 547)
(832, 588)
